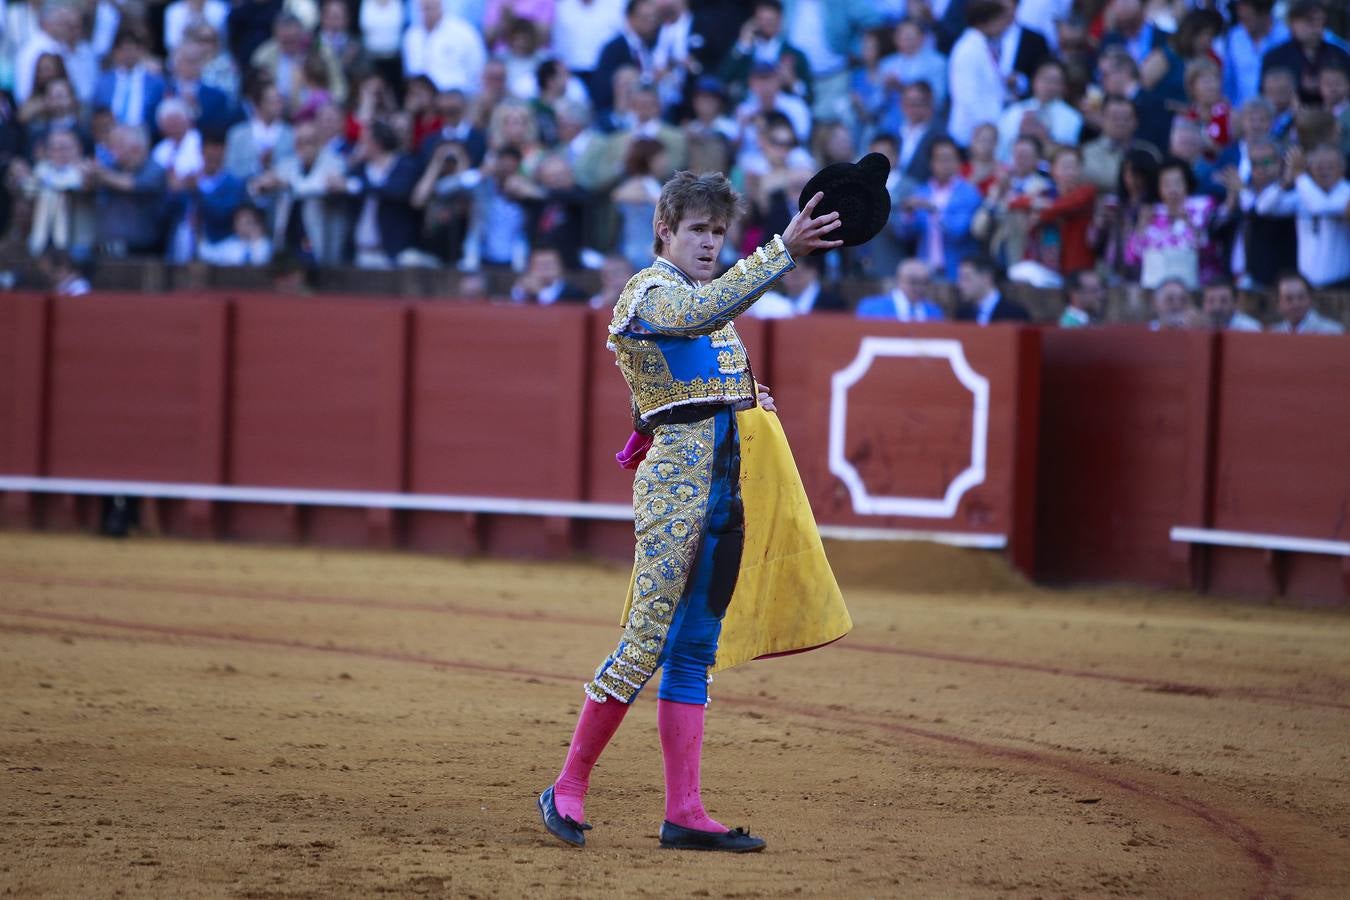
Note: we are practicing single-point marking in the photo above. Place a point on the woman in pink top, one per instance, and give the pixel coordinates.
(1172, 239)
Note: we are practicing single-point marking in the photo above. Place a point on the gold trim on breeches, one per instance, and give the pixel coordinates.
(671, 493)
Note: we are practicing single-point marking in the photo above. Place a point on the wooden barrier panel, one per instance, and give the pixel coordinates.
(1281, 463)
(316, 402)
(608, 419)
(1080, 449)
(311, 391)
(24, 322)
(910, 427)
(1124, 431)
(126, 386)
(496, 401)
(497, 406)
(1282, 438)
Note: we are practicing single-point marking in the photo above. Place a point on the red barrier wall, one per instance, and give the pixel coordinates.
(110, 411)
(1123, 444)
(496, 409)
(1281, 463)
(910, 420)
(315, 400)
(24, 320)
(1097, 443)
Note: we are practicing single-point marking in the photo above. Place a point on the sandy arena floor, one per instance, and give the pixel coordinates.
(197, 720)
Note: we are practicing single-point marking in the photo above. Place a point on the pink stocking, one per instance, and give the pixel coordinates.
(595, 726)
(681, 728)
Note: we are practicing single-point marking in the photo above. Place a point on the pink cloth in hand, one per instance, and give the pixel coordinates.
(635, 451)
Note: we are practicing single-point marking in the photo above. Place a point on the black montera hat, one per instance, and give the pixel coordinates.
(857, 191)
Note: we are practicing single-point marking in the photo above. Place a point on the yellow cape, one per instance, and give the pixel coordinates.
(786, 598)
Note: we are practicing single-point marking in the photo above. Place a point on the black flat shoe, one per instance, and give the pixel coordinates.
(564, 828)
(737, 840)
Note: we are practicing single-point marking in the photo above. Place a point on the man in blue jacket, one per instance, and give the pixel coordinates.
(908, 301)
(214, 110)
(201, 204)
(128, 88)
(938, 215)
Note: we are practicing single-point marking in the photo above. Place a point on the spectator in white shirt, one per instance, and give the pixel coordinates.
(976, 72)
(1043, 114)
(61, 34)
(1320, 198)
(522, 55)
(673, 55)
(41, 41)
(1218, 302)
(179, 153)
(381, 24)
(54, 186)
(581, 28)
(446, 49)
(104, 24)
(19, 21)
(1293, 300)
(247, 246)
(310, 219)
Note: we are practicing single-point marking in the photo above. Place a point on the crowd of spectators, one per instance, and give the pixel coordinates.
(1181, 145)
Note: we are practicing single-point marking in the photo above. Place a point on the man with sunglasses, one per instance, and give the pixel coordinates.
(1263, 236)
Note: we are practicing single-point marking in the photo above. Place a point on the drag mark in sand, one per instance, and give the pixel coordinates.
(1157, 685)
(1254, 847)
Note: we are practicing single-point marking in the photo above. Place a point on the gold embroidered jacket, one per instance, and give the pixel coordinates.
(674, 340)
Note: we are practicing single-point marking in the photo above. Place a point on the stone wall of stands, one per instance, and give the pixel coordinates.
(1076, 452)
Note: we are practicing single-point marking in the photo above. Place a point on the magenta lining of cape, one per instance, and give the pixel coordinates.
(798, 650)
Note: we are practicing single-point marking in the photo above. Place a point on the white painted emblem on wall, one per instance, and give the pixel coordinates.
(871, 348)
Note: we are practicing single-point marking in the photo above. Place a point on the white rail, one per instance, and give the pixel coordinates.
(435, 502)
(1258, 541)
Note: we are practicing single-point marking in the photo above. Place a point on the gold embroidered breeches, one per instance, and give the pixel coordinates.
(689, 529)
